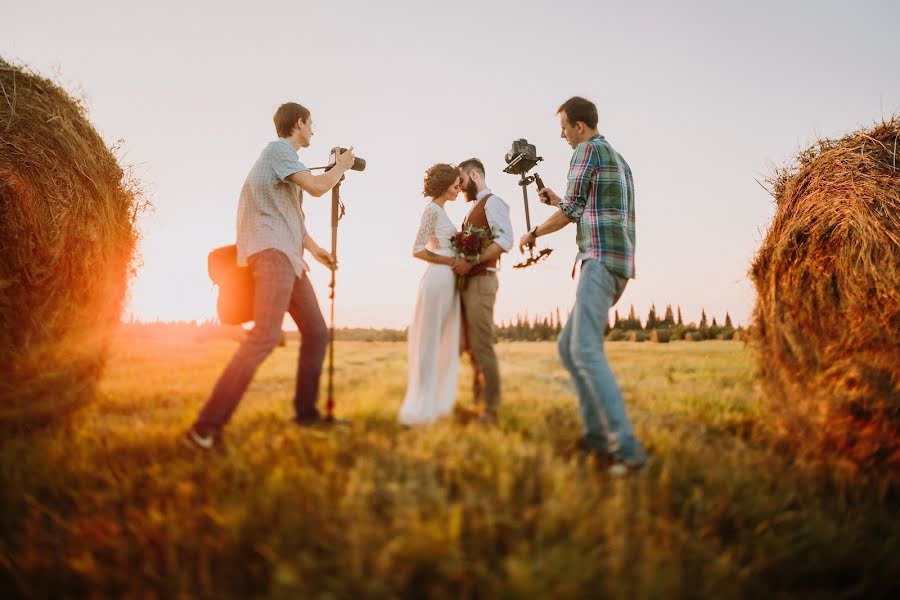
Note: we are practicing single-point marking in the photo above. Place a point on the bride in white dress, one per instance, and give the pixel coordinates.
(434, 331)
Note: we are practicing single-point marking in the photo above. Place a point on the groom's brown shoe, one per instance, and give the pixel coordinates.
(488, 417)
(465, 413)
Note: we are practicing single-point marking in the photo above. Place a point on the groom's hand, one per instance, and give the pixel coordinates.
(324, 256)
(461, 267)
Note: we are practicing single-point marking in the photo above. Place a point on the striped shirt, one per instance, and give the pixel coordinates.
(600, 199)
(270, 211)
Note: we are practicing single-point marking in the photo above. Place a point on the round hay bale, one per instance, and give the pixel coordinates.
(660, 336)
(693, 336)
(636, 336)
(827, 313)
(616, 335)
(67, 238)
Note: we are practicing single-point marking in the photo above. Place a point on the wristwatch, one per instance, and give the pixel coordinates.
(533, 232)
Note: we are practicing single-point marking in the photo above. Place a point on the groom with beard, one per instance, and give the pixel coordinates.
(480, 293)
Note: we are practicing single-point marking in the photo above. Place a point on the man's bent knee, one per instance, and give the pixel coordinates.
(263, 341)
(315, 336)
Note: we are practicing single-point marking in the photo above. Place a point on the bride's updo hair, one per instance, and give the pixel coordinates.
(438, 178)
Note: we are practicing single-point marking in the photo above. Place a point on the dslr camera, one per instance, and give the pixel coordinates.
(359, 164)
(521, 158)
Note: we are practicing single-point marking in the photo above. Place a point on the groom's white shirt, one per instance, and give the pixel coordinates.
(497, 213)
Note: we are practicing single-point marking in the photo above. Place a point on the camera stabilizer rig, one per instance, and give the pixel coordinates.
(337, 213)
(521, 159)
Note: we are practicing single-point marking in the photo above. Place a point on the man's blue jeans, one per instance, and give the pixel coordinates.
(277, 290)
(606, 425)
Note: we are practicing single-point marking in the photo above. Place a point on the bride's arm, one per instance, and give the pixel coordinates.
(438, 259)
(426, 230)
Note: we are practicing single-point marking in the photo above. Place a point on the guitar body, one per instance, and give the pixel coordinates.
(234, 304)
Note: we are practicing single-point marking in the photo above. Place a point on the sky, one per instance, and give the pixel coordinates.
(703, 99)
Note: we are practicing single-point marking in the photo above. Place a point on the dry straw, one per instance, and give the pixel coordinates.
(827, 317)
(67, 238)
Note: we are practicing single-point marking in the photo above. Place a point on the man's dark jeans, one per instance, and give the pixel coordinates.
(278, 290)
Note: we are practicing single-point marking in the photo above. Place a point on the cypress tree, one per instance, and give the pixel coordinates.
(633, 321)
(728, 321)
(669, 319)
(680, 321)
(703, 324)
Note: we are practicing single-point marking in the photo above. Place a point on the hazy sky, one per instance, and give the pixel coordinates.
(701, 98)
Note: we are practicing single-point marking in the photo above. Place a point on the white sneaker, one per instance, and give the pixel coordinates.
(193, 439)
(620, 468)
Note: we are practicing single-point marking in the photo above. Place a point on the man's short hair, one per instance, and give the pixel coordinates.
(579, 109)
(470, 164)
(286, 117)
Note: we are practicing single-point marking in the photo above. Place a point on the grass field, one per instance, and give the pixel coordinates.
(110, 505)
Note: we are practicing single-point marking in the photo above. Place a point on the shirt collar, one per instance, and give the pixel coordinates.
(287, 143)
(482, 194)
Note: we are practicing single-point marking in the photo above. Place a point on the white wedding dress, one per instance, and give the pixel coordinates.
(434, 331)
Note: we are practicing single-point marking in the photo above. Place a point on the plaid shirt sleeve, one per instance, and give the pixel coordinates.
(578, 191)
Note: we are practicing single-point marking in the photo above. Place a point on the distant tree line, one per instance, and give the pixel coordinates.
(670, 326)
(523, 328)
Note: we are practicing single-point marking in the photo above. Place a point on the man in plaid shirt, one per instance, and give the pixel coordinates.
(600, 200)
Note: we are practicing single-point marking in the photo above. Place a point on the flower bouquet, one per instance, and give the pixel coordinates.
(469, 244)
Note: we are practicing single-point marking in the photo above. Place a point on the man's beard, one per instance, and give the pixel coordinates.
(471, 191)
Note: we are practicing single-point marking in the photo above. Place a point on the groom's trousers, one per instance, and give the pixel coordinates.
(478, 305)
(606, 425)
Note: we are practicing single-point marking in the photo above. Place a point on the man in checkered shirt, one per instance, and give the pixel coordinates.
(271, 239)
(600, 200)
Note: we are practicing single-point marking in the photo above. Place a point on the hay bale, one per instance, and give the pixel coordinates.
(827, 313)
(660, 336)
(615, 335)
(693, 336)
(67, 237)
(636, 336)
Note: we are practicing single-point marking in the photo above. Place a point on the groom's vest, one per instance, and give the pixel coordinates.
(478, 218)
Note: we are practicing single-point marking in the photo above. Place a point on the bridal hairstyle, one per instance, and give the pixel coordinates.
(286, 117)
(438, 178)
(579, 109)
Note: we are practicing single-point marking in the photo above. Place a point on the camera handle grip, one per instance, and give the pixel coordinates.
(540, 185)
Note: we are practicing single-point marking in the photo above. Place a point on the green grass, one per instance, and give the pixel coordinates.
(110, 505)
